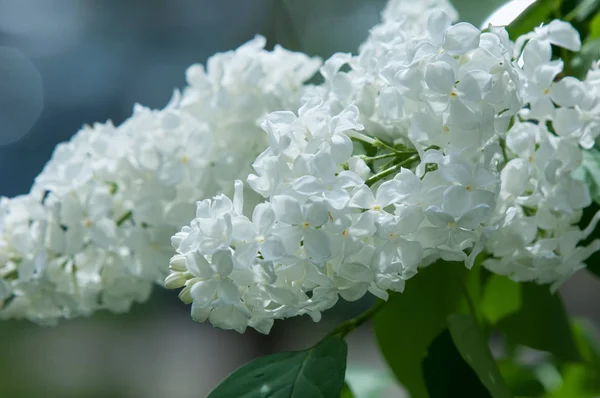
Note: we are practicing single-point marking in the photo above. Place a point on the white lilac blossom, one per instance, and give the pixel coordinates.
(436, 141)
(94, 232)
(230, 95)
(540, 200)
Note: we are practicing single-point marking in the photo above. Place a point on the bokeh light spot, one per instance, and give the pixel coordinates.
(21, 95)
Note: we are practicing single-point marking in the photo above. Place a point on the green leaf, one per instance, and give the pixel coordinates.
(521, 379)
(446, 373)
(316, 372)
(501, 297)
(541, 323)
(595, 25)
(408, 324)
(532, 17)
(474, 349)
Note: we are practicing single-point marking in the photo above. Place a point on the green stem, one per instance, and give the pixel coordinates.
(382, 174)
(361, 137)
(388, 164)
(378, 157)
(380, 144)
(124, 218)
(354, 323)
(503, 147)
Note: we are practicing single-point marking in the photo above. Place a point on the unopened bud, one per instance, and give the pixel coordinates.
(175, 280)
(177, 263)
(185, 294)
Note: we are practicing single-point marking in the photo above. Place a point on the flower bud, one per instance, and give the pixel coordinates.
(185, 294)
(175, 280)
(177, 263)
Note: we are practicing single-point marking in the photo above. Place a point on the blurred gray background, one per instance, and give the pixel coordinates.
(64, 63)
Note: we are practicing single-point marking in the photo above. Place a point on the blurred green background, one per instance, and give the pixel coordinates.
(90, 60)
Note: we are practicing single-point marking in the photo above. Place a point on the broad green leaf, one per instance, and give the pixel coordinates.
(532, 17)
(316, 372)
(595, 25)
(474, 349)
(521, 379)
(541, 323)
(501, 297)
(447, 375)
(408, 324)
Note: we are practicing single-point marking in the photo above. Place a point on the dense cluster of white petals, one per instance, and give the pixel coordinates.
(94, 231)
(436, 141)
(540, 200)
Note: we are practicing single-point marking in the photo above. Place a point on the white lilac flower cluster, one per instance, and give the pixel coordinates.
(540, 201)
(436, 141)
(94, 231)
